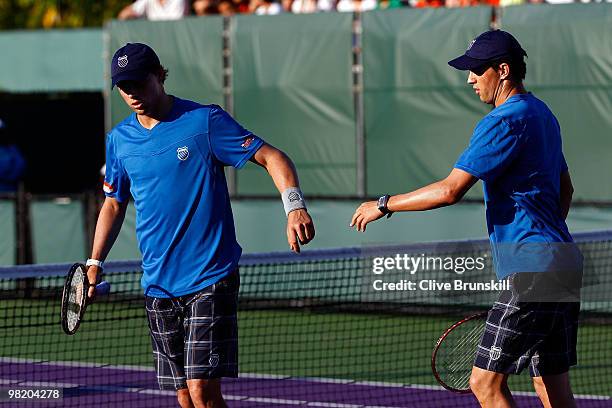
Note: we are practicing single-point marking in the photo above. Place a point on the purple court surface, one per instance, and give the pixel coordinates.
(86, 384)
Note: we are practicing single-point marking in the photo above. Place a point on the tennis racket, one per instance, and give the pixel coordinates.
(453, 356)
(74, 297)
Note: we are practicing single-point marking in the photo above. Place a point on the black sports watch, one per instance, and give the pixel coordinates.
(382, 205)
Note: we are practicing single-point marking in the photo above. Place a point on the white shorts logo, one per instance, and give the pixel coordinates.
(495, 353)
(213, 360)
(122, 61)
(182, 153)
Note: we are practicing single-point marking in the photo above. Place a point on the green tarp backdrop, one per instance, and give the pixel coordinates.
(570, 68)
(292, 84)
(419, 111)
(51, 61)
(58, 231)
(7, 232)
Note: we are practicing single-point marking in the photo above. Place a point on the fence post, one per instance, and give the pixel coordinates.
(228, 94)
(357, 70)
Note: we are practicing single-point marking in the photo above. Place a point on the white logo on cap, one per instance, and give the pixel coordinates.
(472, 43)
(122, 61)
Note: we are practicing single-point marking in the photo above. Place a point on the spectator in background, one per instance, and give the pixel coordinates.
(227, 8)
(265, 7)
(241, 6)
(389, 4)
(307, 6)
(211, 7)
(428, 3)
(356, 5)
(12, 163)
(205, 7)
(460, 3)
(155, 10)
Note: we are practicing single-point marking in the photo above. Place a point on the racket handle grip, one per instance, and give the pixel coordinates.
(102, 288)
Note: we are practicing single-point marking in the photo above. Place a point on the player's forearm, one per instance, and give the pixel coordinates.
(281, 169)
(108, 226)
(435, 195)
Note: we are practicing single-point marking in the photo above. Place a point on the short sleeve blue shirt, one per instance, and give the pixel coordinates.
(516, 151)
(174, 172)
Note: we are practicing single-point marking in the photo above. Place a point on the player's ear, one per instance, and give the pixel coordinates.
(503, 70)
(160, 73)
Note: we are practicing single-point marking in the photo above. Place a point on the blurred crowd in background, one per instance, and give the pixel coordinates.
(34, 14)
(176, 9)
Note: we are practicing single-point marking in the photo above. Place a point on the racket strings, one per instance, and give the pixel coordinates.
(457, 352)
(75, 298)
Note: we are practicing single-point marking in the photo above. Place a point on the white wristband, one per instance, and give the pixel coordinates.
(95, 262)
(293, 199)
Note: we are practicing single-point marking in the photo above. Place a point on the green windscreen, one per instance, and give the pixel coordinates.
(58, 231)
(7, 226)
(419, 112)
(570, 68)
(292, 87)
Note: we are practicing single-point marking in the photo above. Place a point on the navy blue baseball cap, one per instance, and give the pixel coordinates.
(133, 62)
(487, 47)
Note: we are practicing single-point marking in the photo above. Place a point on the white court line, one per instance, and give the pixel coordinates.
(273, 377)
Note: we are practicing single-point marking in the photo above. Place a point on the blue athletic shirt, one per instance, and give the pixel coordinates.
(516, 151)
(174, 172)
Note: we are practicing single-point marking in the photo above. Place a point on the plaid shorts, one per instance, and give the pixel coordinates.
(542, 335)
(195, 336)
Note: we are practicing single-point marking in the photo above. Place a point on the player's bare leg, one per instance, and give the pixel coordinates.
(491, 389)
(184, 399)
(554, 391)
(206, 393)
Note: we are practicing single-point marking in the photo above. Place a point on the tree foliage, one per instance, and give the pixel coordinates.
(33, 14)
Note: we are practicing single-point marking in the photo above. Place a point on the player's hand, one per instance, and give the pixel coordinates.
(93, 275)
(299, 227)
(364, 214)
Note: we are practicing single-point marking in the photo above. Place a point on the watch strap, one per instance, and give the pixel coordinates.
(382, 205)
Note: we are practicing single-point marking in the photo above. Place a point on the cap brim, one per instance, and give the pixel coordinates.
(136, 75)
(465, 63)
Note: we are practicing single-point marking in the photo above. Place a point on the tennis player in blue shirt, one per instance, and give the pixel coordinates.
(169, 155)
(516, 151)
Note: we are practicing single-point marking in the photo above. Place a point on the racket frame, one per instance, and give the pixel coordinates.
(481, 315)
(66, 296)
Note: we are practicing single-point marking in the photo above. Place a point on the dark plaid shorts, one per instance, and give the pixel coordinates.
(195, 336)
(542, 335)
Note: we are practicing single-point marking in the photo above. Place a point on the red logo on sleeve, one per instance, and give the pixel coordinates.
(108, 189)
(247, 142)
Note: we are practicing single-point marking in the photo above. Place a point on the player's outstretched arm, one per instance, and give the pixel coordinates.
(439, 194)
(108, 226)
(280, 167)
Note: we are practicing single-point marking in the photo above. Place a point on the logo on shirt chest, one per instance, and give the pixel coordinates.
(182, 153)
